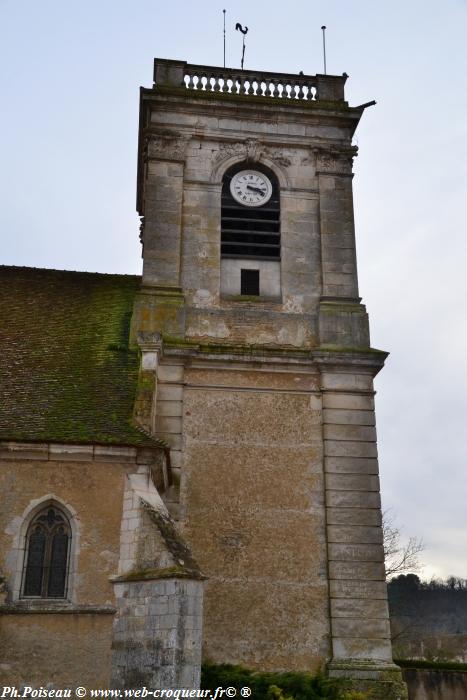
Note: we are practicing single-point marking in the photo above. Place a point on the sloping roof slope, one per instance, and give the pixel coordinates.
(67, 373)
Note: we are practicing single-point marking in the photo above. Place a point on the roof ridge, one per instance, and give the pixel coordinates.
(71, 272)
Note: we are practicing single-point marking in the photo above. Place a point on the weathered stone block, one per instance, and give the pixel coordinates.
(347, 381)
(358, 589)
(356, 607)
(355, 552)
(344, 448)
(360, 402)
(352, 482)
(169, 408)
(353, 499)
(359, 648)
(350, 432)
(170, 373)
(169, 424)
(168, 392)
(366, 628)
(348, 417)
(351, 465)
(353, 516)
(354, 534)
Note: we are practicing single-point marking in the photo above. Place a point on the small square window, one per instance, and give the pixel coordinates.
(249, 282)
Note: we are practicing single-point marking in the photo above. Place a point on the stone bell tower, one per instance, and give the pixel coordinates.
(264, 377)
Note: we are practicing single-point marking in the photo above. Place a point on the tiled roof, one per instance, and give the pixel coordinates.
(67, 373)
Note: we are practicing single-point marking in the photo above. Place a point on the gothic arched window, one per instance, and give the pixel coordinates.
(250, 231)
(47, 550)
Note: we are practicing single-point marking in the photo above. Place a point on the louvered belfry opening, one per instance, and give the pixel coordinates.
(250, 232)
(47, 552)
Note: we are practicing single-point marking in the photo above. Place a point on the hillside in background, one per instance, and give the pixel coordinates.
(428, 618)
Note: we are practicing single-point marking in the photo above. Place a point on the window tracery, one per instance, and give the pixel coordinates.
(47, 551)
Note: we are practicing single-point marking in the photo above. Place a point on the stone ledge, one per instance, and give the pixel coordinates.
(15, 450)
(48, 608)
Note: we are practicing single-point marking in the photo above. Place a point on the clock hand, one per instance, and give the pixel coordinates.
(256, 189)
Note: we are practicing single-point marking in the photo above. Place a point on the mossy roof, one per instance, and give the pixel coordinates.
(67, 373)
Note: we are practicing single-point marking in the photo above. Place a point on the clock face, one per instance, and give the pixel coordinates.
(251, 188)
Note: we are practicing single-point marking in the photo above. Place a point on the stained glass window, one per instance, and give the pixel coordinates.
(47, 551)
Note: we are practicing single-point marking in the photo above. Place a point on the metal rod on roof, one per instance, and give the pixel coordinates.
(324, 47)
(224, 36)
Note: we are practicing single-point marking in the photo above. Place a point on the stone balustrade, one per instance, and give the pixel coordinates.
(180, 74)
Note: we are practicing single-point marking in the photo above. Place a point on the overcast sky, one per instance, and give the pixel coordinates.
(70, 74)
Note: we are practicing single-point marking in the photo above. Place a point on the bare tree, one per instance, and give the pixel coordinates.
(400, 556)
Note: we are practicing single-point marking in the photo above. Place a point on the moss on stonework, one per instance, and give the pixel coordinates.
(146, 382)
(432, 665)
(154, 574)
(330, 347)
(174, 542)
(251, 349)
(246, 297)
(240, 349)
(381, 689)
(333, 309)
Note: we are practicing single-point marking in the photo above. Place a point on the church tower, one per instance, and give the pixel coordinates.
(264, 370)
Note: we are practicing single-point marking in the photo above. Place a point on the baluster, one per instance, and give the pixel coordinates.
(204, 82)
(195, 81)
(313, 93)
(230, 85)
(301, 92)
(276, 92)
(215, 87)
(249, 89)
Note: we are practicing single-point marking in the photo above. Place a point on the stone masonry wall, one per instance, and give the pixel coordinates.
(67, 642)
(252, 509)
(157, 635)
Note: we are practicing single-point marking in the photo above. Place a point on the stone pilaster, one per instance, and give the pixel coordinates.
(361, 639)
(165, 163)
(339, 265)
(343, 321)
(160, 305)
